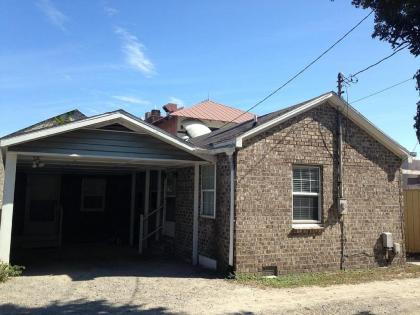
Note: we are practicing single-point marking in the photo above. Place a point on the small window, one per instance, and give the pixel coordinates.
(93, 194)
(208, 188)
(306, 194)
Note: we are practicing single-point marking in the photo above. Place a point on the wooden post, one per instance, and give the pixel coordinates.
(165, 185)
(195, 214)
(7, 210)
(158, 202)
(132, 207)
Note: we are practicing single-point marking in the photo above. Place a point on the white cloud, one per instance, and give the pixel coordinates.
(131, 100)
(177, 101)
(110, 11)
(55, 16)
(134, 53)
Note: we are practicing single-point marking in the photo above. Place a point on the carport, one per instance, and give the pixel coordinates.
(103, 179)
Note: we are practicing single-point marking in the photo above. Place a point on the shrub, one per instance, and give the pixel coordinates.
(7, 271)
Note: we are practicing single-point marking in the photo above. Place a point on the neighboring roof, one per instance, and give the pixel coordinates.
(233, 136)
(211, 110)
(70, 116)
(118, 116)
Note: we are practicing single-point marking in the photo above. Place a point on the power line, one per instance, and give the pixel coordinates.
(383, 90)
(301, 71)
(378, 62)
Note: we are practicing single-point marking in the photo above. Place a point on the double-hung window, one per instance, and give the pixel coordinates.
(93, 194)
(208, 191)
(306, 194)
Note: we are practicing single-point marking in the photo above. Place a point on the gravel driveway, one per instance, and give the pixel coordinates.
(167, 287)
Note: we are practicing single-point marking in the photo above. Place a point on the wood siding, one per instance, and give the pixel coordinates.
(412, 220)
(107, 144)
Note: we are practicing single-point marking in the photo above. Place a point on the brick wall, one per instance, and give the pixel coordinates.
(213, 239)
(213, 234)
(264, 234)
(184, 213)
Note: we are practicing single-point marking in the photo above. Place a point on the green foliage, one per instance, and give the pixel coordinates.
(62, 119)
(7, 271)
(396, 21)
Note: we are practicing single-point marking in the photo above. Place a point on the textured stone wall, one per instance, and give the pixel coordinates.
(264, 234)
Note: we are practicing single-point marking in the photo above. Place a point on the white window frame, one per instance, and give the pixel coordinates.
(318, 194)
(207, 190)
(83, 195)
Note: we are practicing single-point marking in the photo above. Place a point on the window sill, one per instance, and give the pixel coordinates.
(307, 226)
(207, 217)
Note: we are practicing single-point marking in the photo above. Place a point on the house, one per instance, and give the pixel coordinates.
(198, 119)
(311, 187)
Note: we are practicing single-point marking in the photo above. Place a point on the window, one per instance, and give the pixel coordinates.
(306, 194)
(208, 187)
(93, 194)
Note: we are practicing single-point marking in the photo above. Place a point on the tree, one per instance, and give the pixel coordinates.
(397, 22)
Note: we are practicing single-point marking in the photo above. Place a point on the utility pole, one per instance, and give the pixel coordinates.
(340, 80)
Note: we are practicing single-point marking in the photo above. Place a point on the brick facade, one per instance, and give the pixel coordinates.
(264, 234)
(213, 234)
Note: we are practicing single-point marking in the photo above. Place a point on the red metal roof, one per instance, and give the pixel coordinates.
(211, 110)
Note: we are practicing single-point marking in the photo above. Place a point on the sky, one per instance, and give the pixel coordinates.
(100, 55)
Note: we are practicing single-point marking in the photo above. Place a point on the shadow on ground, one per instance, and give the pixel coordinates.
(79, 307)
(89, 262)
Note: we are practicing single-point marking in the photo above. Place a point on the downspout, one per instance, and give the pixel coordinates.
(231, 208)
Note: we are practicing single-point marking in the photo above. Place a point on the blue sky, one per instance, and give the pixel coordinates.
(102, 55)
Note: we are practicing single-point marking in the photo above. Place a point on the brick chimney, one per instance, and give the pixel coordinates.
(152, 116)
(170, 108)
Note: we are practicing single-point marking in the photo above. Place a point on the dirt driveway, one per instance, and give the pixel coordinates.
(167, 287)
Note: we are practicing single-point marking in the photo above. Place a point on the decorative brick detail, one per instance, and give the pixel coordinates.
(372, 186)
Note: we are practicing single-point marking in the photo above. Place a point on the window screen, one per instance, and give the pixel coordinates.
(306, 189)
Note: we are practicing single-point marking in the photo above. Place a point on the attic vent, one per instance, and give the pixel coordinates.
(269, 271)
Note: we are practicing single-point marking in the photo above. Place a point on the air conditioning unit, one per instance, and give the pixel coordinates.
(387, 240)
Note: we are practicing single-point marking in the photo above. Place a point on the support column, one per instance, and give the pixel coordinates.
(146, 204)
(132, 207)
(158, 202)
(195, 214)
(7, 210)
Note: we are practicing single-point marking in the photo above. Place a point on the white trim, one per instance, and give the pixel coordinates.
(319, 194)
(231, 208)
(202, 191)
(195, 214)
(207, 262)
(346, 109)
(7, 209)
(313, 226)
(105, 118)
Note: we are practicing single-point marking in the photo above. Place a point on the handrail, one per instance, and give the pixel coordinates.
(143, 220)
(147, 216)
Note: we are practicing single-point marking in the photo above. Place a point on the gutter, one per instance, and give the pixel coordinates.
(231, 208)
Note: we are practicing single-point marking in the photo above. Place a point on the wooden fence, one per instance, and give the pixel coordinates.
(412, 220)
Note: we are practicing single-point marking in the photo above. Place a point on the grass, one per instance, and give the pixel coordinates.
(7, 271)
(331, 278)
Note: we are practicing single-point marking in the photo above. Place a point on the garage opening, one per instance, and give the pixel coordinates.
(71, 213)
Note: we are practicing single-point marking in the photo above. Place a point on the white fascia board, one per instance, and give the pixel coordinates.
(360, 120)
(346, 110)
(100, 120)
(280, 119)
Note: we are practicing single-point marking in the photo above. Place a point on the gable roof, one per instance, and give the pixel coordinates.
(119, 116)
(234, 136)
(211, 110)
(66, 117)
